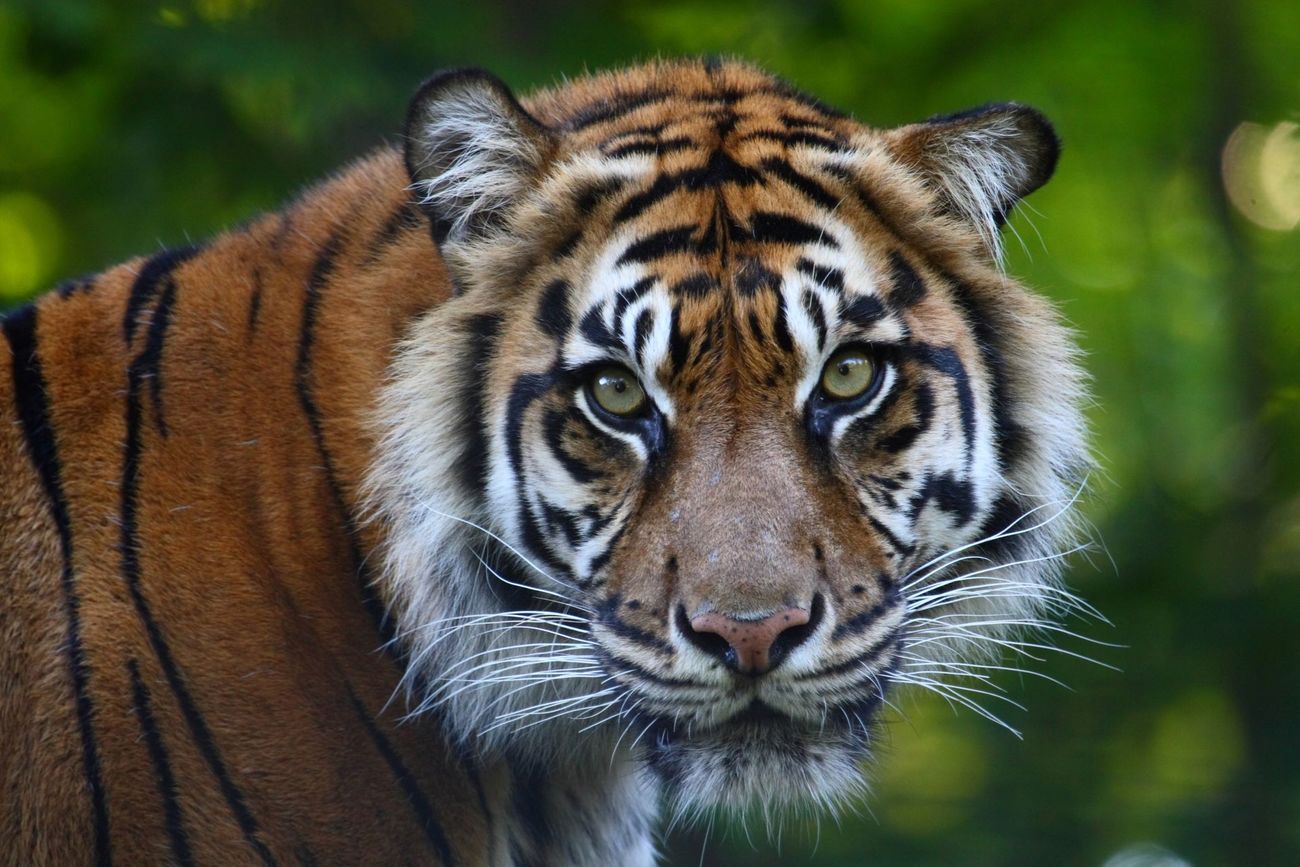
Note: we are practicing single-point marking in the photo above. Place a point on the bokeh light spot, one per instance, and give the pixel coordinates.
(31, 238)
(1261, 173)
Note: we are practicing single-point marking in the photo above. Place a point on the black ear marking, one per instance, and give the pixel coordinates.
(471, 150)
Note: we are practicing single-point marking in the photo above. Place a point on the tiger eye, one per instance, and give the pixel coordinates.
(616, 390)
(849, 373)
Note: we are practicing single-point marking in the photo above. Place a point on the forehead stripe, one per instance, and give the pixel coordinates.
(659, 244)
(651, 147)
(720, 169)
(553, 315)
(767, 227)
(824, 277)
(630, 295)
(863, 311)
(795, 138)
(755, 276)
(907, 285)
(814, 190)
(696, 285)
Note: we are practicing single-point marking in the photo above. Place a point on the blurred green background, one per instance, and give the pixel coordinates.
(129, 125)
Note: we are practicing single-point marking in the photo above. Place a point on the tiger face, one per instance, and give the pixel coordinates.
(733, 425)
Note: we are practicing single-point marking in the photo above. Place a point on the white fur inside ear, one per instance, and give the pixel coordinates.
(981, 171)
(472, 157)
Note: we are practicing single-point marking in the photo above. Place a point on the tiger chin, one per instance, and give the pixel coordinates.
(635, 440)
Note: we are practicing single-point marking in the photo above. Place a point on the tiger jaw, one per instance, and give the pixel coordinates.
(763, 758)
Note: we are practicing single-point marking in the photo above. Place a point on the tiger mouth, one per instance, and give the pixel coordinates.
(760, 721)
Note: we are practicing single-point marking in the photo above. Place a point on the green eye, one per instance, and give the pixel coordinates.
(617, 391)
(848, 374)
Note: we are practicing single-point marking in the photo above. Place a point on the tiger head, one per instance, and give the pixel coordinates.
(732, 424)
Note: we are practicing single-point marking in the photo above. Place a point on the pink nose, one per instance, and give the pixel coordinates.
(749, 646)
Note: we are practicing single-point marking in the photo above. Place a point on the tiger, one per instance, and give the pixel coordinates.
(609, 453)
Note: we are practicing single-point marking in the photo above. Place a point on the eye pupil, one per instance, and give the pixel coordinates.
(848, 374)
(616, 391)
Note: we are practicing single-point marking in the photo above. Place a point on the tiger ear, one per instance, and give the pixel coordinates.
(471, 150)
(981, 162)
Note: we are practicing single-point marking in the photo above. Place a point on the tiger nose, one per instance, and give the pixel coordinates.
(749, 646)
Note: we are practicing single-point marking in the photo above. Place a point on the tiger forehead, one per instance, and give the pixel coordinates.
(677, 103)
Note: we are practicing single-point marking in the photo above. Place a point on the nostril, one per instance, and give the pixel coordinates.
(750, 646)
(712, 643)
(793, 636)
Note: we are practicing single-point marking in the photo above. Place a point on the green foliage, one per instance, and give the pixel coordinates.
(130, 125)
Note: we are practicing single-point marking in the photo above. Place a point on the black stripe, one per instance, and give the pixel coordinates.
(951, 494)
(659, 244)
(678, 344)
(781, 327)
(903, 437)
(147, 283)
(407, 218)
(485, 331)
(567, 244)
(167, 790)
(130, 551)
(596, 332)
(148, 364)
(859, 623)
(641, 333)
(607, 616)
(781, 88)
(77, 286)
(1004, 513)
(754, 277)
(653, 130)
(824, 277)
(888, 534)
(863, 311)
(813, 305)
(587, 197)
(863, 661)
(652, 147)
(720, 169)
(769, 228)
(696, 285)
(812, 189)
(255, 303)
(636, 205)
(1011, 436)
(316, 281)
(602, 559)
(561, 520)
(433, 832)
(946, 360)
(907, 288)
(553, 426)
(527, 389)
(790, 139)
(628, 296)
(618, 106)
(32, 405)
